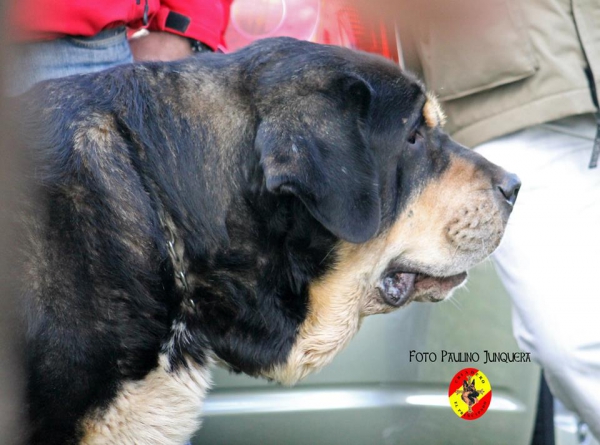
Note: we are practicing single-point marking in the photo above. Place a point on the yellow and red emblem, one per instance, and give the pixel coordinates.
(470, 393)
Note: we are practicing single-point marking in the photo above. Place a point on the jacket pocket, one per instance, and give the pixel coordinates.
(468, 46)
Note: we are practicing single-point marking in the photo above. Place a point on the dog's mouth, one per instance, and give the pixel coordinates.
(397, 287)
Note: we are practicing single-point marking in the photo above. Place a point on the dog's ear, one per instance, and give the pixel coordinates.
(315, 147)
(473, 383)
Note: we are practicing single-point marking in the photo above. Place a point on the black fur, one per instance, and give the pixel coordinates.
(263, 159)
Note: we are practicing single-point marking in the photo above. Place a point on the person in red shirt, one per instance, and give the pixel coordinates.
(56, 38)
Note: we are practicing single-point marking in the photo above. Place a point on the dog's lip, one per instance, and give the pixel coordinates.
(442, 285)
(398, 287)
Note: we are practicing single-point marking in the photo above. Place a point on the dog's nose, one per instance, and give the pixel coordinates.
(509, 186)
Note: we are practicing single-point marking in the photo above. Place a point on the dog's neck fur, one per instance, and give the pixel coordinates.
(231, 250)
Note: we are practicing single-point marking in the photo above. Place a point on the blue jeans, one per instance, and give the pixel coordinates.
(41, 60)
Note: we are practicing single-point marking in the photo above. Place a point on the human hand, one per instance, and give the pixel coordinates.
(160, 46)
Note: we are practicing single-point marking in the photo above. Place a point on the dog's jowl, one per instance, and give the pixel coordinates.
(246, 210)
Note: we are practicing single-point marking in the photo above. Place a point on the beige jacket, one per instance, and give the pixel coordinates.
(502, 65)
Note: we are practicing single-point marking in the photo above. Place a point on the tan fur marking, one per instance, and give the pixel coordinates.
(162, 409)
(420, 237)
(96, 134)
(333, 319)
(433, 113)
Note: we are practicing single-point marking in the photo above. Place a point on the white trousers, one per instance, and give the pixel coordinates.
(549, 259)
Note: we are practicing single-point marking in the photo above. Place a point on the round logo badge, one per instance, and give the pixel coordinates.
(470, 394)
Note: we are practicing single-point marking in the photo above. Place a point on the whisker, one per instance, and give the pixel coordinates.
(454, 303)
(457, 303)
(454, 254)
(488, 189)
(328, 253)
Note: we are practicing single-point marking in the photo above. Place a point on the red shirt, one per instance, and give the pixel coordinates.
(203, 20)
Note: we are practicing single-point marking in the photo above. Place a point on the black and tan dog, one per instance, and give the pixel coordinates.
(245, 209)
(469, 393)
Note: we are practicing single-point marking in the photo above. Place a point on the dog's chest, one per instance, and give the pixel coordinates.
(164, 408)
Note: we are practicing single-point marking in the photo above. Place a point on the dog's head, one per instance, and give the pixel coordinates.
(358, 144)
(469, 387)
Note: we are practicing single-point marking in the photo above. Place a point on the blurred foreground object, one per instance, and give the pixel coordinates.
(333, 22)
(11, 335)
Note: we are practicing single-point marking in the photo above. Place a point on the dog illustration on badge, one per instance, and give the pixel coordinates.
(469, 394)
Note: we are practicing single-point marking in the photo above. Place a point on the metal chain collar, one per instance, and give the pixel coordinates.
(176, 260)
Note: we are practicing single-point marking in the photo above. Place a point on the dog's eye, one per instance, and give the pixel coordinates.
(414, 136)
